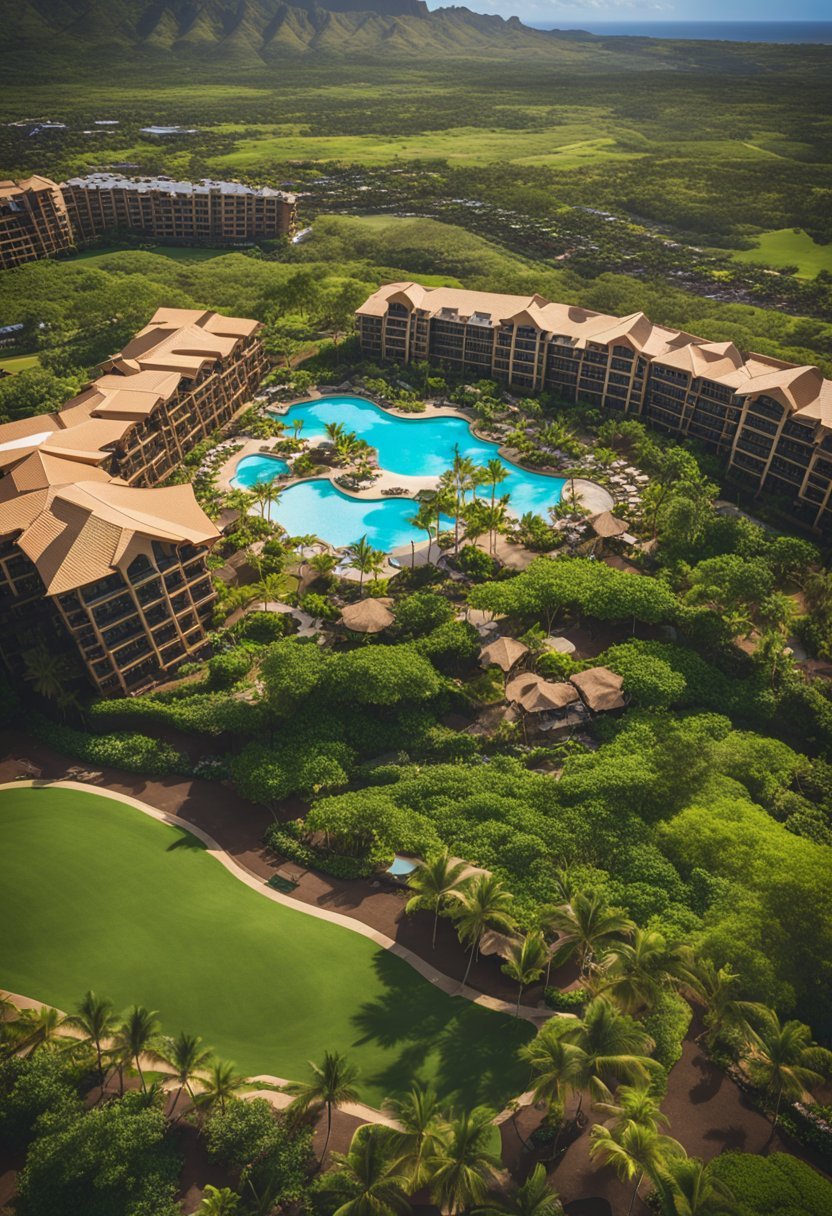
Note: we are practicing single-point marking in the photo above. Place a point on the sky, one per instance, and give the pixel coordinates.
(571, 14)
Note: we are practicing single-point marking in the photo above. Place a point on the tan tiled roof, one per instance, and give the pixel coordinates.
(802, 390)
(77, 534)
(41, 469)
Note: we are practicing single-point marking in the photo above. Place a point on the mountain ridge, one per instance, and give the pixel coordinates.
(266, 29)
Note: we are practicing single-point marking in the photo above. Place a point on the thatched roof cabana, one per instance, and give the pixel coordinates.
(606, 525)
(536, 695)
(367, 616)
(503, 653)
(600, 688)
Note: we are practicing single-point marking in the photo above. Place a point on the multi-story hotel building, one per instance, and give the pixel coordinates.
(209, 212)
(39, 219)
(89, 552)
(33, 221)
(769, 420)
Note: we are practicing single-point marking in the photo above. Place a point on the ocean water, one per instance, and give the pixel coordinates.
(709, 31)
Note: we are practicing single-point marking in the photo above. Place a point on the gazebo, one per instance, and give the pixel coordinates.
(503, 652)
(538, 696)
(367, 616)
(600, 688)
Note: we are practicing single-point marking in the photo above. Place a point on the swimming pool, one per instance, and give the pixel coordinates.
(254, 470)
(424, 446)
(420, 446)
(319, 508)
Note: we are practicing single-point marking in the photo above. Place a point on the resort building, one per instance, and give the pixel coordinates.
(33, 221)
(206, 212)
(90, 554)
(769, 420)
(39, 218)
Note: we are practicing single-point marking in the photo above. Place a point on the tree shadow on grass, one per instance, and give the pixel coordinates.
(476, 1049)
(186, 841)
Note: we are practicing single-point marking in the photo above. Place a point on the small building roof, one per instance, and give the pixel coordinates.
(606, 525)
(367, 616)
(503, 653)
(536, 695)
(600, 688)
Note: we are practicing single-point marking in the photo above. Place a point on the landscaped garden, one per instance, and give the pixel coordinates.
(96, 894)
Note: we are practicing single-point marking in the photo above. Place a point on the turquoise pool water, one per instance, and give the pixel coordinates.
(420, 446)
(253, 470)
(319, 508)
(424, 446)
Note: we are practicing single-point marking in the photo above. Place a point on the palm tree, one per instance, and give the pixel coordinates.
(633, 974)
(218, 1202)
(635, 1104)
(585, 924)
(332, 1084)
(526, 962)
(637, 1150)
(47, 671)
(685, 1186)
(423, 519)
(364, 557)
(35, 1028)
(185, 1055)
(323, 564)
(433, 884)
(269, 589)
(371, 1169)
(715, 987)
(483, 903)
(614, 1049)
(558, 1068)
(135, 1037)
(494, 473)
(297, 427)
(96, 1018)
(463, 1168)
(534, 1198)
(494, 518)
(421, 1124)
(334, 431)
(220, 1085)
(781, 1058)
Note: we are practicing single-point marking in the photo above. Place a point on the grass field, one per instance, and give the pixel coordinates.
(789, 247)
(566, 146)
(95, 894)
(177, 253)
(18, 363)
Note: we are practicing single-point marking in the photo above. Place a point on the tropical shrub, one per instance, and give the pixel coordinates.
(777, 1185)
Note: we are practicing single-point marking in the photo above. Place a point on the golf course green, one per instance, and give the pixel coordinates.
(96, 894)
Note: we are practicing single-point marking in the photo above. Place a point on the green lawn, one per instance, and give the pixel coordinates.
(568, 145)
(19, 363)
(177, 253)
(789, 247)
(95, 894)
